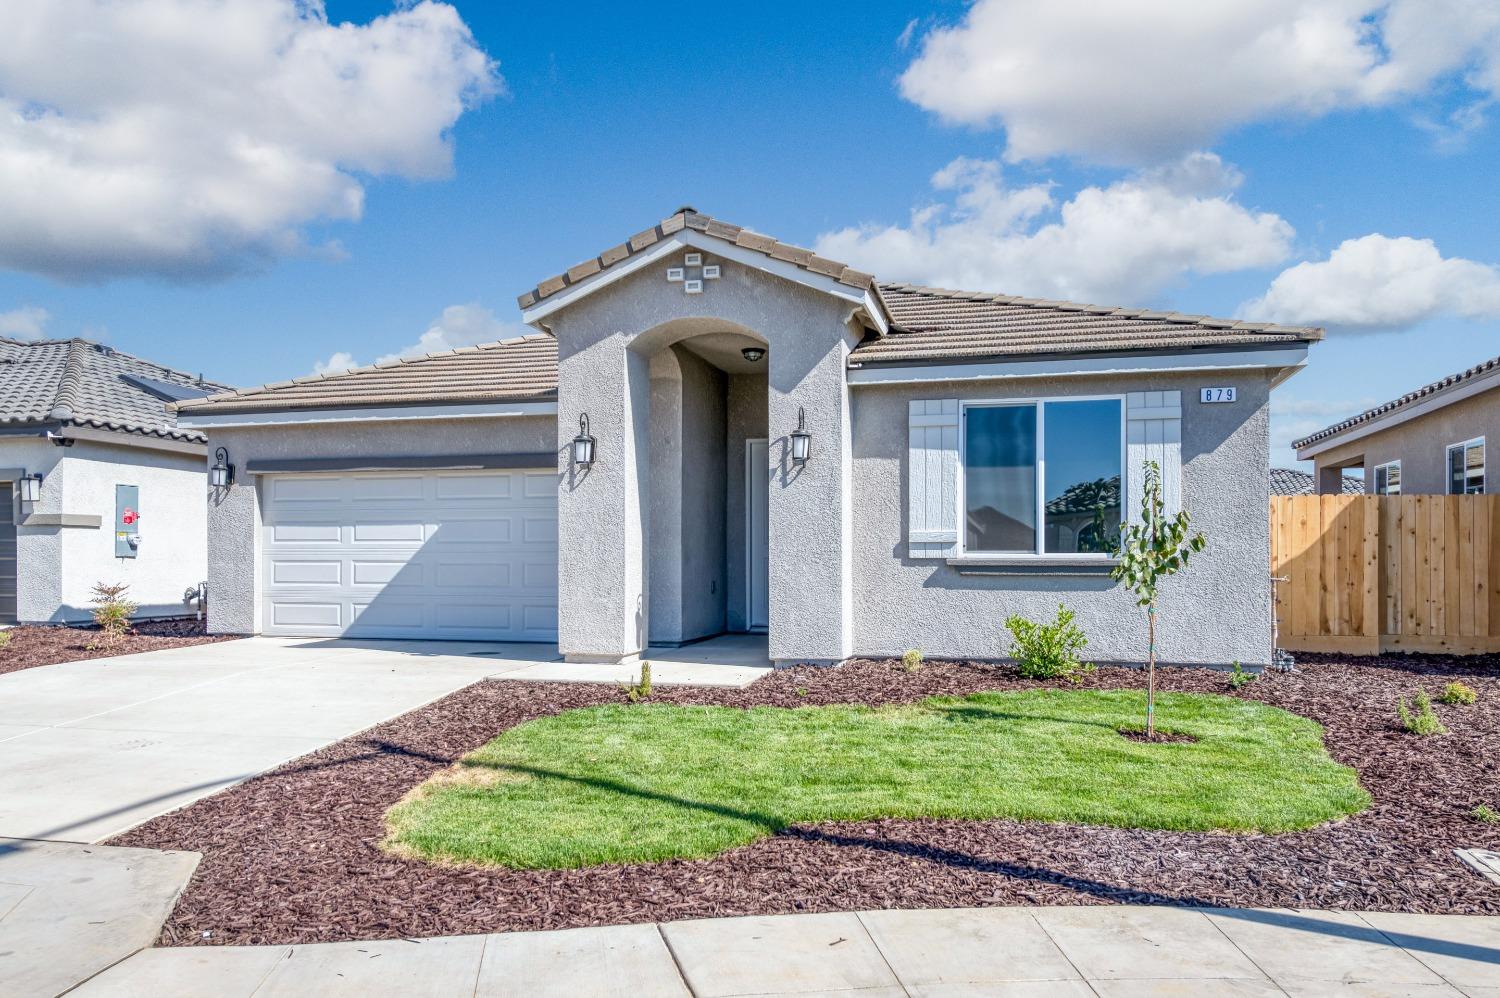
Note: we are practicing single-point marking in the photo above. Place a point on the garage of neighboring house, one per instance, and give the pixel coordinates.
(409, 500)
(458, 555)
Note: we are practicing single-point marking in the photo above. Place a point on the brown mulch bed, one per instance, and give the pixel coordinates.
(31, 645)
(292, 857)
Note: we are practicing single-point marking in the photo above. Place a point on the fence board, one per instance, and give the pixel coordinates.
(1405, 573)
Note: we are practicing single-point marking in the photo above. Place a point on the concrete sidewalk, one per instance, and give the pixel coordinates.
(1114, 952)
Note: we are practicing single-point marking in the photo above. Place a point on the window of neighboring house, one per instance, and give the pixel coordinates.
(1388, 479)
(1466, 468)
(1043, 477)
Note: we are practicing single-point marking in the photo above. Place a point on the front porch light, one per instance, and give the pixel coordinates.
(583, 444)
(221, 475)
(753, 354)
(801, 440)
(30, 487)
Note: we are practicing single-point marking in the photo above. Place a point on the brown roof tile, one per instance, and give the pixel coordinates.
(1426, 391)
(938, 324)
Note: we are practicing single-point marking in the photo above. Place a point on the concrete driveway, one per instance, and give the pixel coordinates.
(89, 749)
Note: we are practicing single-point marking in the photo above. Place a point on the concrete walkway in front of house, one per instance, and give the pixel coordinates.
(1107, 951)
(90, 749)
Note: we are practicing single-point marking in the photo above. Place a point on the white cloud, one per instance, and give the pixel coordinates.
(1123, 243)
(1378, 283)
(1134, 81)
(25, 323)
(186, 139)
(457, 326)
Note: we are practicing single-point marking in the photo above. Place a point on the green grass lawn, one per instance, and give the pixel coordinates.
(637, 783)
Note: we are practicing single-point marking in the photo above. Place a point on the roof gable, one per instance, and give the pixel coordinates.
(1441, 392)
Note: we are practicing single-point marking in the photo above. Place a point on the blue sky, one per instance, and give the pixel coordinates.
(800, 120)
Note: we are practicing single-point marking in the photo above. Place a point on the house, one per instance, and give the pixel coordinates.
(1427, 442)
(713, 431)
(106, 486)
(1290, 482)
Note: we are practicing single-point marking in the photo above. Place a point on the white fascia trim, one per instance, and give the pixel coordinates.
(388, 414)
(1387, 420)
(691, 238)
(1286, 357)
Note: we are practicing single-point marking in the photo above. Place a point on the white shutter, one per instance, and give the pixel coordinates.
(1153, 433)
(932, 479)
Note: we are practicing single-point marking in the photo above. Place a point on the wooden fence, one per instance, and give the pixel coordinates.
(1365, 574)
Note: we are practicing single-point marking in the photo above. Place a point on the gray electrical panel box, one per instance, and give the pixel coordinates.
(127, 520)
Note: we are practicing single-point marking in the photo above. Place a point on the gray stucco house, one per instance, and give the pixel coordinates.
(1430, 441)
(104, 486)
(966, 457)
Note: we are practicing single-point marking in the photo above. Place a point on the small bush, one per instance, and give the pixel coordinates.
(1238, 677)
(1047, 651)
(641, 690)
(1458, 695)
(1425, 722)
(4, 640)
(112, 613)
(912, 660)
(1486, 814)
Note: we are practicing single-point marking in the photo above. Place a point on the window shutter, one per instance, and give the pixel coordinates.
(1153, 433)
(932, 479)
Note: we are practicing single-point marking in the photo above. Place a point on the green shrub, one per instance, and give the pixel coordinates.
(5, 637)
(1425, 722)
(641, 690)
(1486, 814)
(112, 613)
(912, 660)
(1238, 677)
(1047, 651)
(1457, 694)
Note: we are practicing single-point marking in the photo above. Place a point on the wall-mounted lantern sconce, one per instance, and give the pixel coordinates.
(583, 444)
(801, 440)
(221, 475)
(30, 488)
(753, 354)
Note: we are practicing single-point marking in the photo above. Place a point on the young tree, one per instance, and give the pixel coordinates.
(1150, 551)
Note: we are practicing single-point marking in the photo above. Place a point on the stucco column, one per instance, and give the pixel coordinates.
(1330, 481)
(234, 539)
(810, 507)
(601, 591)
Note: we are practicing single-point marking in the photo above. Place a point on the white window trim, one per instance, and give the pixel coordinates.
(1375, 478)
(1448, 465)
(1039, 555)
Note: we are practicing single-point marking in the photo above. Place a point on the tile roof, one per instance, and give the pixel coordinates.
(689, 218)
(1288, 482)
(939, 324)
(1426, 391)
(81, 383)
(520, 369)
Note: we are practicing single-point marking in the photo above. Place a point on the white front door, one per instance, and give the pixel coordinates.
(757, 534)
(457, 555)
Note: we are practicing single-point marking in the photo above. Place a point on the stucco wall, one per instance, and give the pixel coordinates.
(1215, 612)
(1421, 445)
(746, 420)
(234, 518)
(603, 342)
(57, 566)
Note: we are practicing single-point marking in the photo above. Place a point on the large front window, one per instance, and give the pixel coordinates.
(1042, 478)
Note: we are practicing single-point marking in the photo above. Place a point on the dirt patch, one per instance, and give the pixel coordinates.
(31, 646)
(1157, 737)
(293, 856)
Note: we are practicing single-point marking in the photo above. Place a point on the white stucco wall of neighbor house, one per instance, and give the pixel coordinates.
(1217, 611)
(605, 340)
(58, 564)
(234, 516)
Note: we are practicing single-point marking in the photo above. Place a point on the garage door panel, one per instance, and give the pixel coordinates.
(445, 555)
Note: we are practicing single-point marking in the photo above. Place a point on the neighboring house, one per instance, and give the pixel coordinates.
(964, 455)
(1289, 482)
(1428, 442)
(121, 490)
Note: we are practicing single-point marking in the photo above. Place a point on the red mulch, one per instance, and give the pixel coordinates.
(291, 856)
(31, 646)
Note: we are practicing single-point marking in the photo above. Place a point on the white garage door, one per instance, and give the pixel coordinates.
(460, 555)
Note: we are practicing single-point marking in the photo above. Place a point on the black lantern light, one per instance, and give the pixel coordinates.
(753, 354)
(583, 444)
(221, 475)
(801, 440)
(30, 488)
